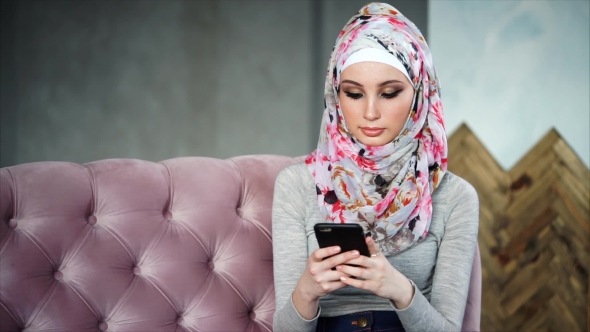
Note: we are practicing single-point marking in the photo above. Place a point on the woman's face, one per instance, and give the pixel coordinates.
(375, 100)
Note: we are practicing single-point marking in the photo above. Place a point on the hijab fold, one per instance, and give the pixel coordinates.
(386, 189)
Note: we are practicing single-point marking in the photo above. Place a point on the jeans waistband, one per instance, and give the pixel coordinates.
(361, 321)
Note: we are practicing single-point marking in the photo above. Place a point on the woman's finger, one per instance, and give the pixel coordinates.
(322, 253)
(334, 285)
(339, 259)
(331, 276)
(363, 261)
(373, 247)
(357, 283)
(354, 271)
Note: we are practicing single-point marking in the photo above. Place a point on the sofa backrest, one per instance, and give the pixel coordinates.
(131, 245)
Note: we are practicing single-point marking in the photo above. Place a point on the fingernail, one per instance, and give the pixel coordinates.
(355, 253)
(338, 267)
(337, 249)
(342, 278)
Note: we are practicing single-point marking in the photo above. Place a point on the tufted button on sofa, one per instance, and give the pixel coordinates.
(131, 245)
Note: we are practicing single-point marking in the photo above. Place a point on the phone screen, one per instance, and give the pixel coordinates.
(347, 236)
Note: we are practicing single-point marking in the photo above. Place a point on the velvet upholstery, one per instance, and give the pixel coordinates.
(131, 245)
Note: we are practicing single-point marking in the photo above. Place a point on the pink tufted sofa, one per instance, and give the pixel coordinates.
(131, 245)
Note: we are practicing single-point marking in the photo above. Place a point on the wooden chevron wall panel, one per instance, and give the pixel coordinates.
(534, 234)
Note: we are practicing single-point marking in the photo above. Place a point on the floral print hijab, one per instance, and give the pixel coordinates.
(386, 189)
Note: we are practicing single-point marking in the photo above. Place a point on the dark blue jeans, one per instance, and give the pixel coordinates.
(374, 321)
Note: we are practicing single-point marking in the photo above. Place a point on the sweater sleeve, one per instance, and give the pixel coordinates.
(289, 250)
(450, 284)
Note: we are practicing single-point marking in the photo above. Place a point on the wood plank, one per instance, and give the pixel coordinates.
(572, 162)
(530, 158)
(521, 319)
(520, 288)
(574, 188)
(492, 167)
(579, 216)
(523, 203)
(515, 300)
(539, 322)
(521, 240)
(563, 268)
(562, 316)
(534, 234)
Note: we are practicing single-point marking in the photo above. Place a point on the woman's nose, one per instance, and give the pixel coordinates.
(371, 112)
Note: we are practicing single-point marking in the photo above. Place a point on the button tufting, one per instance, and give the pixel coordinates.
(168, 215)
(58, 275)
(211, 265)
(252, 315)
(92, 220)
(136, 270)
(180, 320)
(13, 223)
(240, 211)
(103, 326)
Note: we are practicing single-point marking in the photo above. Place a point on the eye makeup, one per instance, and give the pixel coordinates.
(356, 96)
(391, 95)
(353, 95)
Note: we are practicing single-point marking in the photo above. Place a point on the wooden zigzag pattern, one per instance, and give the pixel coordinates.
(534, 234)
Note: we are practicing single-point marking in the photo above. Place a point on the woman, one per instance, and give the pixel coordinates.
(381, 162)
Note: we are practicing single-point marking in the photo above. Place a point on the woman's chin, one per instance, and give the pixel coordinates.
(374, 141)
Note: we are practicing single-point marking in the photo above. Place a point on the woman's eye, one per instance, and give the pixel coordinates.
(353, 95)
(391, 95)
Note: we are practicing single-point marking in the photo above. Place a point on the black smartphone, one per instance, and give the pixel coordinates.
(347, 236)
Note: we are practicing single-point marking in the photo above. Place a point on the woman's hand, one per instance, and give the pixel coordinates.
(319, 279)
(378, 276)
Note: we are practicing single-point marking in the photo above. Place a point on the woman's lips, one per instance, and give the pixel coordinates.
(372, 131)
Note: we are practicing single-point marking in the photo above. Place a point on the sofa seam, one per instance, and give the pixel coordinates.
(28, 236)
(208, 278)
(268, 235)
(14, 193)
(34, 316)
(93, 189)
(83, 300)
(195, 237)
(241, 179)
(170, 187)
(64, 263)
(10, 313)
(108, 230)
(163, 294)
(221, 275)
(122, 299)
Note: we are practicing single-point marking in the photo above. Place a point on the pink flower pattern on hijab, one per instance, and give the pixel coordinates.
(386, 189)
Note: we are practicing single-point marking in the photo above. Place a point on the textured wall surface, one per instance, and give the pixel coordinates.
(512, 70)
(88, 80)
(154, 79)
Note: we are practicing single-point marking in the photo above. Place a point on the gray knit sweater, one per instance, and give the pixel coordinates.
(439, 267)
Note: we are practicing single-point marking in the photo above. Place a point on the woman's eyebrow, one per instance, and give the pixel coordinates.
(352, 82)
(390, 81)
(380, 84)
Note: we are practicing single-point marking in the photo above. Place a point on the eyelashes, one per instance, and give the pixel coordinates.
(384, 95)
(391, 95)
(353, 95)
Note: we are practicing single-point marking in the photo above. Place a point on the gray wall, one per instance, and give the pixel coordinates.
(88, 80)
